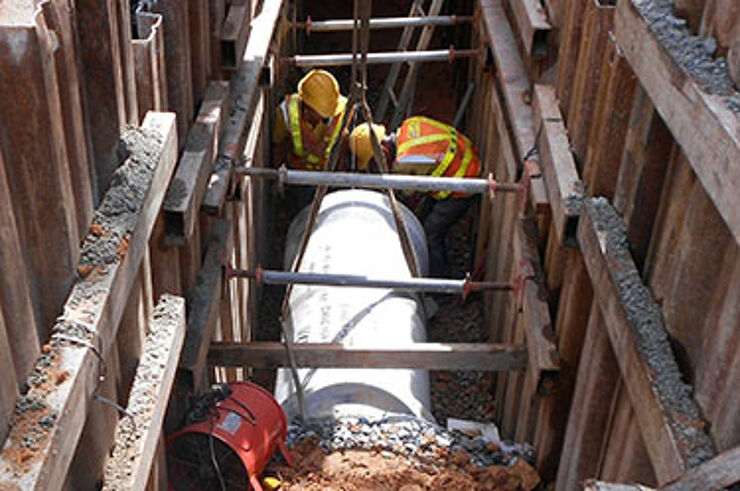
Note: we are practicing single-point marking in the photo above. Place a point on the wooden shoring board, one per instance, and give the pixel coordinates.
(533, 26)
(128, 66)
(71, 370)
(216, 16)
(720, 472)
(15, 289)
(245, 92)
(587, 427)
(610, 123)
(8, 384)
(701, 123)
(200, 50)
(234, 35)
(668, 417)
(544, 359)
(37, 167)
(175, 14)
(597, 24)
(59, 19)
(204, 301)
(138, 431)
(573, 311)
(151, 76)
(513, 82)
(570, 40)
(565, 189)
(642, 171)
(437, 356)
(624, 457)
(188, 186)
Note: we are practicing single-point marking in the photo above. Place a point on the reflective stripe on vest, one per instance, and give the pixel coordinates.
(311, 161)
(447, 133)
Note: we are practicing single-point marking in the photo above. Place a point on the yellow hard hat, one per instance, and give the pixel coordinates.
(360, 144)
(320, 90)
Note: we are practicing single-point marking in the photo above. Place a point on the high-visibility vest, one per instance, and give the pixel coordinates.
(455, 154)
(307, 151)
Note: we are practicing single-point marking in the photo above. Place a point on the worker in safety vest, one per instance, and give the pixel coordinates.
(306, 129)
(424, 146)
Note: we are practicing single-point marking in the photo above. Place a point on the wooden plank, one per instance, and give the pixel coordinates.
(570, 41)
(104, 101)
(39, 177)
(564, 187)
(574, 305)
(718, 371)
(245, 95)
(188, 186)
(179, 71)
(91, 316)
(514, 85)
(8, 385)
(15, 290)
(129, 465)
(539, 335)
(594, 485)
(205, 299)
(587, 426)
(641, 174)
(701, 123)
(610, 123)
(440, 356)
(200, 53)
(597, 24)
(122, 28)
(216, 17)
(668, 416)
(533, 27)
(624, 457)
(720, 472)
(234, 35)
(59, 19)
(151, 77)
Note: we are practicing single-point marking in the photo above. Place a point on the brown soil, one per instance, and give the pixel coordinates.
(356, 470)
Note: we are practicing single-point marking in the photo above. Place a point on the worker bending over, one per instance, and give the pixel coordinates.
(424, 146)
(306, 129)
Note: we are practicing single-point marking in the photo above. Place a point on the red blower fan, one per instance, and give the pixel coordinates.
(235, 430)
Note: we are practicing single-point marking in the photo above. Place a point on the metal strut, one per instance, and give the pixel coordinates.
(383, 181)
(429, 285)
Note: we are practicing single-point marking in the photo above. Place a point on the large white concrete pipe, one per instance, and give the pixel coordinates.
(355, 234)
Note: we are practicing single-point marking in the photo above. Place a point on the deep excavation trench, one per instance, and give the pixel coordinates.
(402, 453)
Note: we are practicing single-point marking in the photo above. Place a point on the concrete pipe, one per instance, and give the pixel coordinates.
(355, 234)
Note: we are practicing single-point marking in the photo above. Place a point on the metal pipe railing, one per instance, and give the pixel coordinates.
(382, 181)
(343, 59)
(428, 285)
(381, 23)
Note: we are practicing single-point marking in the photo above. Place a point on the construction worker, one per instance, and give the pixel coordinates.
(424, 146)
(307, 126)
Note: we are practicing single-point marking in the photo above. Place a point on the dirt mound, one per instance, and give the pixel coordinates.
(356, 470)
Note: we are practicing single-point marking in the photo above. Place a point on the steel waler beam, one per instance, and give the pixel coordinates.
(345, 59)
(384, 181)
(381, 23)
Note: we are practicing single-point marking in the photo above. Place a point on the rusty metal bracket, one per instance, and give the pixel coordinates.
(531, 170)
(526, 272)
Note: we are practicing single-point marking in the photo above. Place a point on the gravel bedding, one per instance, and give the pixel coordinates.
(406, 436)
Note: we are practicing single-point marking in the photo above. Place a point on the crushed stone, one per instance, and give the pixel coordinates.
(115, 218)
(694, 54)
(649, 330)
